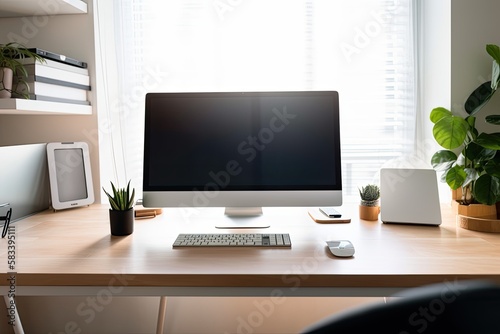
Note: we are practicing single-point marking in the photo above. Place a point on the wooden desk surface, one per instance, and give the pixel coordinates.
(74, 248)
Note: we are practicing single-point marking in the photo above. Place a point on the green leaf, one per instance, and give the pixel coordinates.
(112, 200)
(129, 200)
(121, 199)
(438, 113)
(478, 153)
(494, 51)
(455, 177)
(471, 120)
(478, 98)
(443, 160)
(493, 119)
(495, 75)
(472, 175)
(489, 140)
(492, 168)
(450, 132)
(486, 189)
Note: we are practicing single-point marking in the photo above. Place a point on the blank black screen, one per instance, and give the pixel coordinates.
(242, 141)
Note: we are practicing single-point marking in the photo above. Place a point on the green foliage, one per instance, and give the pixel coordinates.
(369, 193)
(476, 168)
(494, 52)
(10, 54)
(122, 199)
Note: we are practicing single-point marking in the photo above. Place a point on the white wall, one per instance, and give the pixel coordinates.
(473, 25)
(435, 65)
(436, 56)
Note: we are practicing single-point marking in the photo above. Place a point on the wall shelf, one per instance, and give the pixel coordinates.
(19, 8)
(31, 107)
(26, 8)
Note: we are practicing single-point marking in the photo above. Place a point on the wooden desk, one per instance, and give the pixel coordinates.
(72, 253)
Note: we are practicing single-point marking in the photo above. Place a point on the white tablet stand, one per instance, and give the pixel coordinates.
(70, 175)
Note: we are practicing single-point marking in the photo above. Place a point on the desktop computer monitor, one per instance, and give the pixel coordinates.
(242, 150)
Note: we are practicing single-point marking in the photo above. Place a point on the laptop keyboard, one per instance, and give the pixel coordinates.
(233, 240)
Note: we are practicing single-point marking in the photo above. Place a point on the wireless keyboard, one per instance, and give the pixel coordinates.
(233, 240)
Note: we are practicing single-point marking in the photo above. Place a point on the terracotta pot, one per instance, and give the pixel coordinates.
(121, 222)
(6, 76)
(369, 212)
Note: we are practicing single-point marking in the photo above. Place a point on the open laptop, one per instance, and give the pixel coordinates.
(409, 196)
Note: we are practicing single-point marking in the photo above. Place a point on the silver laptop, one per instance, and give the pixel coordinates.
(409, 196)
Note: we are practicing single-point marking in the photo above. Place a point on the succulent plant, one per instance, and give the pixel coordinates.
(122, 199)
(370, 195)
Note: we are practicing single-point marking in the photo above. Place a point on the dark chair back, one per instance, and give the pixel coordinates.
(450, 307)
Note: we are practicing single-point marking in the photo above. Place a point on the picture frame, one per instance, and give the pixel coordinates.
(70, 175)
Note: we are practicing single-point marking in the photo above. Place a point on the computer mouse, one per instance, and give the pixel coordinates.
(341, 248)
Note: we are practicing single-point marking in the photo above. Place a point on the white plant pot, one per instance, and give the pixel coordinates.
(6, 76)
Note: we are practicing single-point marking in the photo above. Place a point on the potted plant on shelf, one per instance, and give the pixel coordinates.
(471, 160)
(11, 67)
(121, 213)
(369, 206)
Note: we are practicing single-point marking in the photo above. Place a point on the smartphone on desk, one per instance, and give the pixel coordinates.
(321, 218)
(330, 212)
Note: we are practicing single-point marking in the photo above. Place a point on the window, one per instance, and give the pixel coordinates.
(361, 48)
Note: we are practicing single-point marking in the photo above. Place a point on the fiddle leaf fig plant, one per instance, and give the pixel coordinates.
(471, 160)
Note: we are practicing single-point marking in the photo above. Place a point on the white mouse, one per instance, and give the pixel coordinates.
(341, 248)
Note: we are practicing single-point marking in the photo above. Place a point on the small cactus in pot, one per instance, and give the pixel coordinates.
(370, 195)
(369, 206)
